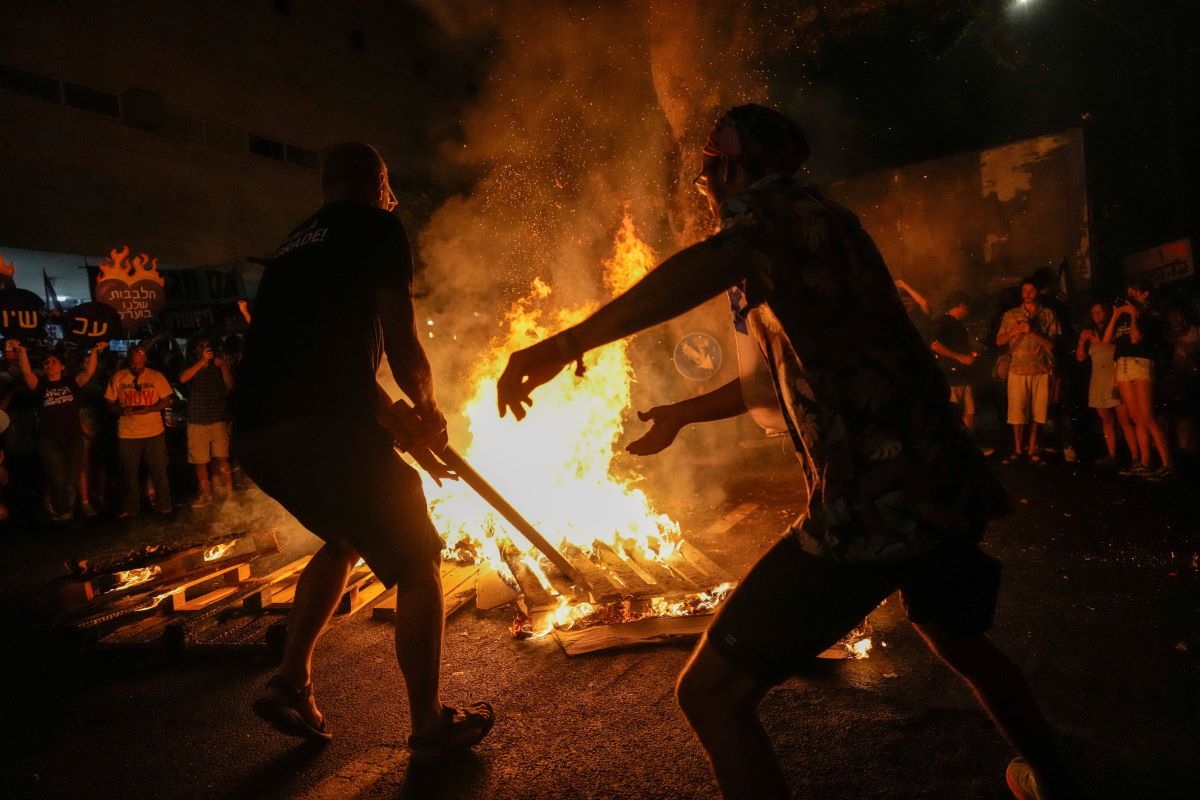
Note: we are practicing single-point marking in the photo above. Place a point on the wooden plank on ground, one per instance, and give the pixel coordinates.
(700, 561)
(603, 588)
(534, 594)
(635, 580)
(275, 582)
(628, 634)
(181, 599)
(666, 581)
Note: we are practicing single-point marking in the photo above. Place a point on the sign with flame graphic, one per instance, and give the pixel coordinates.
(89, 323)
(132, 286)
(21, 315)
(7, 271)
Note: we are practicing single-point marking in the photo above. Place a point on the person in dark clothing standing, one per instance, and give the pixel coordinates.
(952, 345)
(60, 432)
(210, 380)
(309, 429)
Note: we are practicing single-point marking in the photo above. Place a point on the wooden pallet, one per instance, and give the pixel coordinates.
(82, 594)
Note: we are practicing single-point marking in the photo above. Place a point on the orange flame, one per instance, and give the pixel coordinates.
(133, 577)
(6, 268)
(556, 466)
(120, 267)
(218, 551)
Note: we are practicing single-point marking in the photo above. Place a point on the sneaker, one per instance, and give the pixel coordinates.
(1134, 471)
(1021, 781)
(1070, 456)
(201, 500)
(1161, 474)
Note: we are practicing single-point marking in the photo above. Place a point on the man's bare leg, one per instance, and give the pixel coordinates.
(721, 704)
(317, 594)
(1018, 430)
(419, 621)
(1004, 694)
(202, 480)
(223, 476)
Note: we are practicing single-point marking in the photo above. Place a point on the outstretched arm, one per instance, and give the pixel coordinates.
(31, 378)
(669, 420)
(679, 284)
(89, 366)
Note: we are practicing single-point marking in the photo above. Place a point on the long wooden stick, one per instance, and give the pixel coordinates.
(488, 492)
(471, 478)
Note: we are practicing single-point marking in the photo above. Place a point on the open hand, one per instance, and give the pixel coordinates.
(527, 369)
(666, 426)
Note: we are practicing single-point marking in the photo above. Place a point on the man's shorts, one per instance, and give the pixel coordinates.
(345, 482)
(964, 397)
(1133, 369)
(793, 605)
(206, 442)
(1028, 398)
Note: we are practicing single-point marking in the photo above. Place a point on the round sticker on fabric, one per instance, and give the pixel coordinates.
(698, 356)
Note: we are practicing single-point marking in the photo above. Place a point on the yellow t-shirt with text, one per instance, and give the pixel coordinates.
(130, 391)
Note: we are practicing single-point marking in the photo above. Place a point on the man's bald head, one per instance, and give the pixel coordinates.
(355, 172)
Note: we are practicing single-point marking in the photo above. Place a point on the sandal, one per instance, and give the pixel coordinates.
(1035, 457)
(462, 728)
(1012, 458)
(285, 715)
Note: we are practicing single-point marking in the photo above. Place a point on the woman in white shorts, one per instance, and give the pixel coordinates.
(1102, 390)
(1131, 330)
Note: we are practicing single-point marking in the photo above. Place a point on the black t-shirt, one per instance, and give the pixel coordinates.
(59, 414)
(952, 334)
(1147, 346)
(315, 340)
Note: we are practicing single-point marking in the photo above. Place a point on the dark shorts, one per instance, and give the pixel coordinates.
(345, 482)
(793, 605)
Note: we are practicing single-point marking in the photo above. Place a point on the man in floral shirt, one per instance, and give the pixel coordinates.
(899, 495)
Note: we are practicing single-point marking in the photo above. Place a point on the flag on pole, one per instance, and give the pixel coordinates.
(51, 295)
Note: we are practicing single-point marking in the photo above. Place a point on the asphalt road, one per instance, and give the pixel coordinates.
(1100, 607)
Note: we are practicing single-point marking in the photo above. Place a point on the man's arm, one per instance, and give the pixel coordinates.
(1007, 331)
(406, 356)
(89, 366)
(31, 378)
(679, 284)
(946, 352)
(190, 372)
(669, 420)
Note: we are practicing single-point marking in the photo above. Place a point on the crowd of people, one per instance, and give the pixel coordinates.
(89, 431)
(1132, 364)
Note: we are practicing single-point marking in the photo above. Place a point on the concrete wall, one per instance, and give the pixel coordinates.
(980, 220)
(81, 182)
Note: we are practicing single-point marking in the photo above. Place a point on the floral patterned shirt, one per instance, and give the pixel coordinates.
(890, 471)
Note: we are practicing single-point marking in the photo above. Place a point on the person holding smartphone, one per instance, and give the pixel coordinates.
(139, 395)
(1029, 332)
(209, 380)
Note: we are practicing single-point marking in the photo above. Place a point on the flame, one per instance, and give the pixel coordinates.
(556, 466)
(218, 551)
(860, 649)
(119, 267)
(631, 260)
(133, 577)
(6, 268)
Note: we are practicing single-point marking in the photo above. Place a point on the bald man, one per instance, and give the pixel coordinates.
(316, 432)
